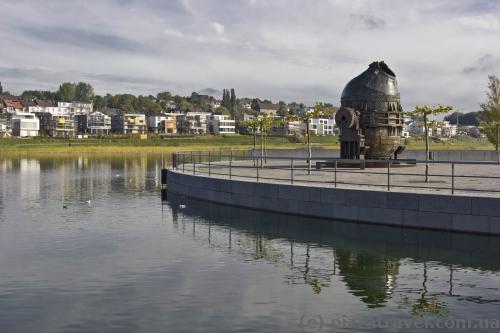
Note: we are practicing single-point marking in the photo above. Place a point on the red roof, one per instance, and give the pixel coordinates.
(13, 104)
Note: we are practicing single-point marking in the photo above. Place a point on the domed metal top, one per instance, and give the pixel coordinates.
(378, 80)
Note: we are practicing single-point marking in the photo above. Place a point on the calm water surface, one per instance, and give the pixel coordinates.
(86, 245)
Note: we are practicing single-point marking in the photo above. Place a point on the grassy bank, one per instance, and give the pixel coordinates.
(130, 145)
(151, 145)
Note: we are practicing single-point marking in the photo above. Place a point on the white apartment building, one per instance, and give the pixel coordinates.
(75, 107)
(221, 125)
(321, 126)
(448, 130)
(99, 124)
(25, 124)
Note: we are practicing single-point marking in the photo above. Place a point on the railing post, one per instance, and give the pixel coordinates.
(452, 178)
(209, 164)
(258, 167)
(291, 170)
(194, 163)
(183, 161)
(389, 175)
(335, 174)
(230, 164)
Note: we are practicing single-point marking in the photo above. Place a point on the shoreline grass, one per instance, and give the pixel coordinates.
(132, 145)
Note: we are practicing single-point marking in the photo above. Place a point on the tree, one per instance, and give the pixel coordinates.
(318, 111)
(66, 92)
(164, 96)
(491, 113)
(222, 110)
(39, 94)
(426, 111)
(99, 102)
(253, 124)
(255, 104)
(84, 92)
(283, 109)
(232, 101)
(1, 88)
(466, 119)
(265, 124)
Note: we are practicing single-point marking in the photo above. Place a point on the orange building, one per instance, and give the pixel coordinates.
(168, 126)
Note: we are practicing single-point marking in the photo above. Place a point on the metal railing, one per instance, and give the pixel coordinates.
(478, 177)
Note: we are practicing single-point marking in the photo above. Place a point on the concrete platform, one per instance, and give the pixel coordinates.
(429, 208)
(479, 180)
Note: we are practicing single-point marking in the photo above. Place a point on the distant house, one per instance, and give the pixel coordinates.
(3, 129)
(215, 103)
(25, 124)
(130, 123)
(269, 109)
(288, 128)
(170, 105)
(221, 125)
(99, 124)
(11, 106)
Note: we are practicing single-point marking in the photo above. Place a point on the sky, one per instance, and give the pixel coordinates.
(442, 51)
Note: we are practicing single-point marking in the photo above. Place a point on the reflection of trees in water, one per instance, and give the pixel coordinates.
(370, 277)
(368, 260)
(424, 304)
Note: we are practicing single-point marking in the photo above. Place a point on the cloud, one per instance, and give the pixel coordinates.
(366, 21)
(67, 36)
(487, 64)
(486, 22)
(219, 28)
(279, 49)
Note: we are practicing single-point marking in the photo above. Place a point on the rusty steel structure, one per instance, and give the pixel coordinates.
(371, 117)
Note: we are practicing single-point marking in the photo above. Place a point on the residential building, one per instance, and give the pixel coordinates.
(44, 106)
(168, 126)
(269, 109)
(448, 130)
(154, 122)
(321, 126)
(99, 124)
(3, 129)
(60, 125)
(11, 106)
(221, 125)
(130, 123)
(75, 107)
(215, 103)
(193, 122)
(170, 105)
(81, 123)
(288, 128)
(25, 124)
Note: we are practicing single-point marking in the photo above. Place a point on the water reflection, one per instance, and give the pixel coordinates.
(417, 271)
(126, 262)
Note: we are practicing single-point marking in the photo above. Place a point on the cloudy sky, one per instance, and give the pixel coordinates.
(292, 50)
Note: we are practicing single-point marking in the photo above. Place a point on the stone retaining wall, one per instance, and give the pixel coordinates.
(428, 211)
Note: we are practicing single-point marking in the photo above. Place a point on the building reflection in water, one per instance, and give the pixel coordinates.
(79, 178)
(413, 269)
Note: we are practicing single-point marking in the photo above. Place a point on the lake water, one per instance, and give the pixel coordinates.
(87, 245)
